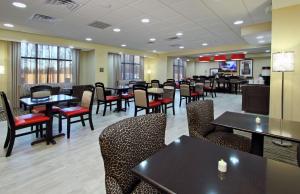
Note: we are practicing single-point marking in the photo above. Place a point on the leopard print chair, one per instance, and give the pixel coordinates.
(200, 115)
(127, 143)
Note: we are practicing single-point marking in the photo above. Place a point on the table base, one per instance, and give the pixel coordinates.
(257, 144)
(282, 143)
(44, 139)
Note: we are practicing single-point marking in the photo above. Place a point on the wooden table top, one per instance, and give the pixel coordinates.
(50, 100)
(189, 166)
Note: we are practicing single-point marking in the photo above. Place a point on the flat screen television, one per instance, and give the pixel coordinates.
(228, 66)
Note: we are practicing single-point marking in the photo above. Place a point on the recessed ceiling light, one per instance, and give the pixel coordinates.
(187, 60)
(88, 39)
(155, 51)
(261, 41)
(179, 34)
(259, 37)
(267, 51)
(8, 25)
(181, 47)
(145, 20)
(204, 44)
(238, 22)
(117, 30)
(123, 45)
(71, 47)
(152, 39)
(19, 5)
(178, 58)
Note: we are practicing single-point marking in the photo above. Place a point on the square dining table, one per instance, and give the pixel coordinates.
(48, 102)
(270, 127)
(190, 166)
(120, 90)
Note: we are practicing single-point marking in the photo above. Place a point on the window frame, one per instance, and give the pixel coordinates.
(132, 66)
(180, 66)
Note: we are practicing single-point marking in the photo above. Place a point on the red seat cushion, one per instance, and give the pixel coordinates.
(166, 100)
(200, 93)
(207, 87)
(112, 98)
(74, 111)
(127, 96)
(30, 119)
(154, 104)
(194, 94)
(42, 109)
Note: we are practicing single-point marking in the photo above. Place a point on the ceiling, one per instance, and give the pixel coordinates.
(201, 21)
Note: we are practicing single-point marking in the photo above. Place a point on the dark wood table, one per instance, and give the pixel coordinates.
(48, 102)
(189, 166)
(120, 90)
(276, 128)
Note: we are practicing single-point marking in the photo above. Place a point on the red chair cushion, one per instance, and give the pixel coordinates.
(194, 94)
(112, 98)
(154, 104)
(166, 100)
(42, 109)
(127, 96)
(30, 119)
(200, 93)
(207, 87)
(74, 111)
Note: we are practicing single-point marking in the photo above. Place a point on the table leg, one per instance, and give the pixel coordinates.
(257, 144)
(119, 103)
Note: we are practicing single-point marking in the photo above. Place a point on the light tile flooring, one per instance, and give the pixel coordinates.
(76, 165)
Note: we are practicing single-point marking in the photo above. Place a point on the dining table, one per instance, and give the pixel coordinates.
(48, 102)
(266, 127)
(190, 165)
(119, 90)
(156, 92)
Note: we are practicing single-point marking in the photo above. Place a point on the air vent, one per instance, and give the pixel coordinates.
(42, 18)
(100, 25)
(175, 45)
(173, 38)
(69, 4)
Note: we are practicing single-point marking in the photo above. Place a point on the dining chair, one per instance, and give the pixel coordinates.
(186, 93)
(77, 91)
(127, 143)
(84, 109)
(102, 98)
(16, 123)
(171, 80)
(200, 114)
(155, 84)
(199, 89)
(168, 96)
(211, 87)
(129, 94)
(141, 100)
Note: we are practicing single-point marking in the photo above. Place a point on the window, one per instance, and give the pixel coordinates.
(132, 67)
(178, 69)
(45, 64)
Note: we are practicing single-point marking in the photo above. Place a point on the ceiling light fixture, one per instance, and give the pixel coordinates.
(188, 60)
(88, 39)
(181, 47)
(259, 37)
(261, 42)
(204, 44)
(238, 22)
(71, 47)
(155, 51)
(145, 20)
(8, 25)
(117, 30)
(19, 4)
(179, 34)
(152, 39)
(123, 45)
(267, 51)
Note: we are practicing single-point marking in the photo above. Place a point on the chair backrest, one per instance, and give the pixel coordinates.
(169, 90)
(77, 91)
(87, 99)
(155, 83)
(200, 115)
(171, 80)
(199, 87)
(141, 83)
(100, 91)
(127, 143)
(8, 110)
(40, 91)
(185, 90)
(140, 96)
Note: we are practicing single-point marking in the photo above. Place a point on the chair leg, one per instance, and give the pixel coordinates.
(104, 109)
(41, 130)
(180, 101)
(82, 121)
(98, 106)
(125, 105)
(173, 107)
(59, 123)
(68, 127)
(37, 131)
(11, 144)
(165, 108)
(147, 111)
(110, 106)
(135, 111)
(91, 122)
(7, 138)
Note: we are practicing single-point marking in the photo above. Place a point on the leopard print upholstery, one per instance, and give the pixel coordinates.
(145, 188)
(127, 143)
(200, 115)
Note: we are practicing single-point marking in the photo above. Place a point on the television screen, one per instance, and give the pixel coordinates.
(228, 66)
